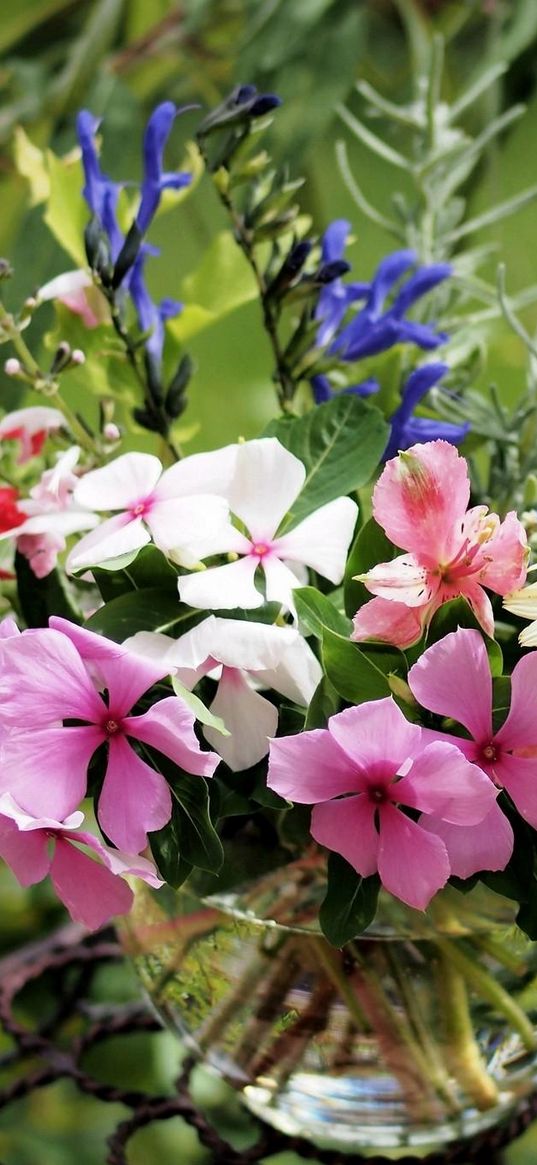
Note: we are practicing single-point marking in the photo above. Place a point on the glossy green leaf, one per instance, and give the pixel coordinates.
(203, 714)
(350, 904)
(340, 443)
(40, 598)
(315, 612)
(355, 675)
(150, 609)
(324, 704)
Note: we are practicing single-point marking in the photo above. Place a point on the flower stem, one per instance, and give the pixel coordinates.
(462, 1050)
(491, 990)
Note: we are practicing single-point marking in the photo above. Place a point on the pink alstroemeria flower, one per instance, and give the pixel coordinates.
(181, 509)
(246, 656)
(78, 293)
(51, 675)
(93, 892)
(266, 482)
(452, 678)
(360, 773)
(31, 427)
(421, 502)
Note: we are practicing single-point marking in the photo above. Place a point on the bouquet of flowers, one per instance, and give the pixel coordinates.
(300, 635)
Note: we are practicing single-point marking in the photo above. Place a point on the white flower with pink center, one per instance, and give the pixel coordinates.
(266, 483)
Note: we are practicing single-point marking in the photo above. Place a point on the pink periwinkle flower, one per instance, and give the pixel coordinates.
(361, 773)
(93, 891)
(266, 482)
(453, 679)
(421, 501)
(54, 676)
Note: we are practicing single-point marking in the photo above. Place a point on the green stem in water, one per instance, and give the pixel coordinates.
(461, 1047)
(486, 986)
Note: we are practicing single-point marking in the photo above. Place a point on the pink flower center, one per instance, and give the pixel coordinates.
(260, 549)
(111, 727)
(141, 508)
(378, 795)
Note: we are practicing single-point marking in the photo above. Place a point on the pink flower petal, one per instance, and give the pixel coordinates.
(169, 727)
(222, 587)
(348, 828)
(123, 483)
(322, 540)
(119, 535)
(508, 550)
(419, 497)
(118, 862)
(135, 799)
(45, 769)
(413, 864)
(26, 853)
(44, 681)
(266, 481)
(520, 728)
(125, 674)
(388, 622)
(443, 782)
(310, 767)
(193, 528)
(248, 717)
(479, 603)
(452, 678)
(376, 737)
(402, 580)
(519, 776)
(472, 848)
(91, 893)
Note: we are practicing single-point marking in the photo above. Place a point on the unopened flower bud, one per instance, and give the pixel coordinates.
(77, 356)
(111, 432)
(12, 367)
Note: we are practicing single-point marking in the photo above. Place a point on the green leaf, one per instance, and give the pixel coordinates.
(197, 839)
(148, 609)
(66, 214)
(315, 612)
(340, 443)
(370, 547)
(350, 904)
(324, 704)
(356, 676)
(165, 849)
(457, 613)
(40, 598)
(203, 714)
(222, 282)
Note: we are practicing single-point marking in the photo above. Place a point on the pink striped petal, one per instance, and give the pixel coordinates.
(419, 497)
(452, 678)
(376, 737)
(126, 481)
(402, 580)
(480, 604)
(27, 854)
(266, 481)
(310, 767)
(348, 828)
(46, 769)
(222, 587)
(413, 864)
(443, 782)
(119, 535)
(169, 727)
(322, 540)
(44, 681)
(91, 893)
(507, 557)
(472, 848)
(135, 799)
(388, 622)
(520, 728)
(248, 717)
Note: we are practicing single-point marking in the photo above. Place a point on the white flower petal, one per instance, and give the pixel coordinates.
(322, 539)
(202, 473)
(267, 480)
(248, 717)
(118, 535)
(296, 674)
(222, 587)
(120, 484)
(192, 528)
(64, 284)
(280, 582)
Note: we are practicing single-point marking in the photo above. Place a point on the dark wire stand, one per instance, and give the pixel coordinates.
(74, 958)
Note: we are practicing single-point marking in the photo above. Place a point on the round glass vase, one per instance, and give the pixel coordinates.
(420, 1033)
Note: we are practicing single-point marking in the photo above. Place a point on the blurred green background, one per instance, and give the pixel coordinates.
(119, 58)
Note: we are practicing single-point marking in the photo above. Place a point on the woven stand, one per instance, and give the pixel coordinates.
(73, 959)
